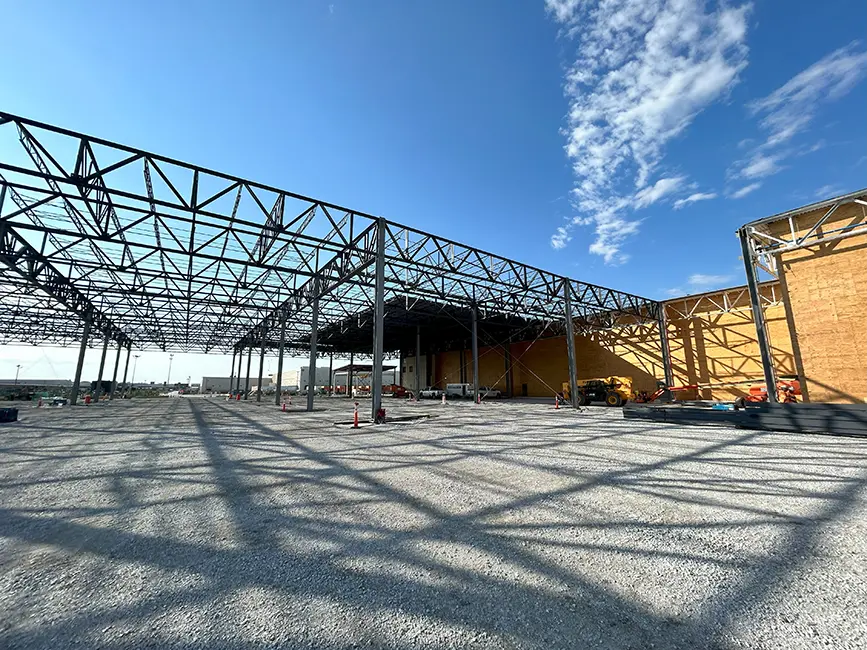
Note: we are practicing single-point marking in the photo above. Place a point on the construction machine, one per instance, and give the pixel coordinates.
(788, 390)
(612, 391)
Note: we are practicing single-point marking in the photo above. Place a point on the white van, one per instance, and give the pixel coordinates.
(459, 390)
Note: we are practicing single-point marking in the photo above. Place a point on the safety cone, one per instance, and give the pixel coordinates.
(556, 402)
(355, 417)
(284, 406)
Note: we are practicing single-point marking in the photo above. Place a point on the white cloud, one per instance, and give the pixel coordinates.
(692, 198)
(562, 9)
(700, 282)
(642, 72)
(560, 238)
(829, 191)
(791, 108)
(760, 166)
(741, 193)
(706, 281)
(652, 193)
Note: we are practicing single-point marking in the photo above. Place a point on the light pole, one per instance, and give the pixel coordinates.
(17, 370)
(169, 378)
(134, 364)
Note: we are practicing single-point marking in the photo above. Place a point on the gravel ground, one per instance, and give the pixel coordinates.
(200, 523)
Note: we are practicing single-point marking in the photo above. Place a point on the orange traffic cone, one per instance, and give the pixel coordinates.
(355, 417)
(284, 406)
(556, 402)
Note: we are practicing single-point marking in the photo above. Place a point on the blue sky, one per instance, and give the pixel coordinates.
(489, 122)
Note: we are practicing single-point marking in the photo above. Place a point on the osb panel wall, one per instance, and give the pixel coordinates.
(447, 369)
(719, 346)
(492, 367)
(707, 345)
(825, 287)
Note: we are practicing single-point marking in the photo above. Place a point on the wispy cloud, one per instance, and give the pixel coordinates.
(748, 189)
(703, 281)
(692, 198)
(642, 72)
(760, 166)
(792, 107)
(829, 191)
(699, 282)
(653, 193)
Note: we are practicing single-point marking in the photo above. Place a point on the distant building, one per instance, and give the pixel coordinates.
(227, 384)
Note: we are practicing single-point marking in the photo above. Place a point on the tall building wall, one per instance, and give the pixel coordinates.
(825, 290)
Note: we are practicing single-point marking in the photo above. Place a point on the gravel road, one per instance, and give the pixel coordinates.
(200, 523)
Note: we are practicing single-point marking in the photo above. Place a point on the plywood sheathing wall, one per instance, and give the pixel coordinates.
(712, 339)
(825, 288)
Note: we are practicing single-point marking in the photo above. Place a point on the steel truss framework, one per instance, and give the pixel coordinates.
(154, 253)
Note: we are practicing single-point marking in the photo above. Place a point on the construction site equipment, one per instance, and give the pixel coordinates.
(613, 391)
(396, 390)
(788, 390)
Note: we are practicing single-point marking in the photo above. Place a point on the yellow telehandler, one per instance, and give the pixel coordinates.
(613, 391)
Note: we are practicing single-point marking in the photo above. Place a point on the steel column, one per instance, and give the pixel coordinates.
(758, 316)
(475, 346)
(126, 366)
(261, 369)
(507, 358)
(349, 375)
(76, 384)
(570, 344)
(417, 360)
(279, 388)
(232, 372)
(247, 380)
(240, 361)
(311, 371)
(330, 374)
(98, 391)
(378, 320)
(664, 347)
(114, 376)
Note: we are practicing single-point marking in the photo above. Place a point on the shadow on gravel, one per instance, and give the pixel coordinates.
(565, 610)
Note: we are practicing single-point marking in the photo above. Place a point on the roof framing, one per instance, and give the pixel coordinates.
(162, 254)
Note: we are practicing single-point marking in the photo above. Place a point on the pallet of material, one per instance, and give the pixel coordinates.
(8, 414)
(836, 419)
(839, 419)
(680, 413)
